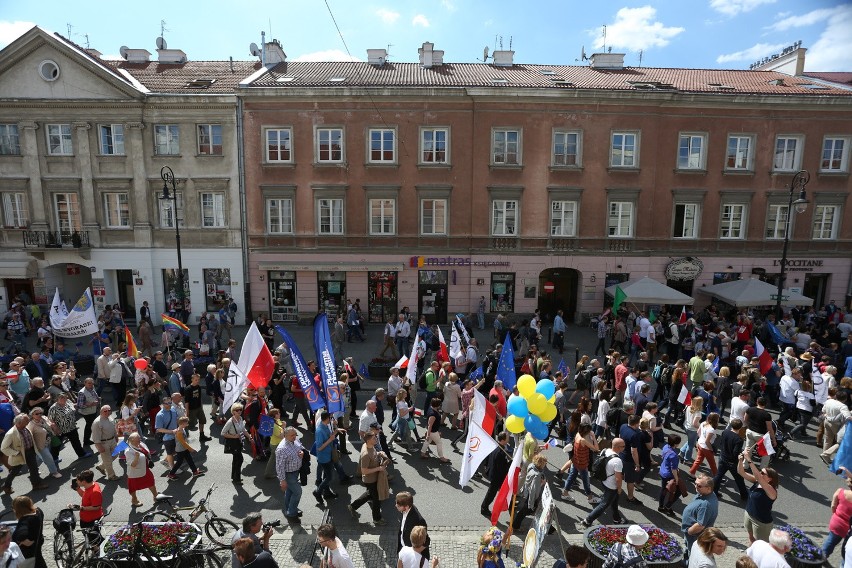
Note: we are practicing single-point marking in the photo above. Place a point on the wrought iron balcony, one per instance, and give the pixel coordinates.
(56, 239)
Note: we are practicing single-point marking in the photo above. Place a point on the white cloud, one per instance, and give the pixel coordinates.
(327, 55)
(449, 6)
(387, 16)
(753, 53)
(112, 57)
(831, 51)
(734, 7)
(10, 31)
(808, 19)
(635, 29)
(420, 20)
(488, 23)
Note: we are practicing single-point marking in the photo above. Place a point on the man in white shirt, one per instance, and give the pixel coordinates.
(739, 406)
(367, 418)
(390, 339)
(836, 414)
(335, 555)
(612, 485)
(403, 333)
(644, 323)
(787, 396)
(771, 554)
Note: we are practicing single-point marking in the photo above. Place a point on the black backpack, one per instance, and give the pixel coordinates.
(598, 468)
(421, 381)
(613, 415)
(667, 331)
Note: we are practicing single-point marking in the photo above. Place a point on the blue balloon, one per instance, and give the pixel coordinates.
(517, 406)
(546, 387)
(532, 423)
(540, 433)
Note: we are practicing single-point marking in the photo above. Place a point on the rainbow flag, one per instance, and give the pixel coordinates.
(174, 325)
(132, 350)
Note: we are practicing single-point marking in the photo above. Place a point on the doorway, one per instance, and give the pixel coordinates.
(332, 294)
(815, 287)
(557, 290)
(382, 296)
(432, 296)
(126, 294)
(18, 287)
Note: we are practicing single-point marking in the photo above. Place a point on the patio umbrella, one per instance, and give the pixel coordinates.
(649, 291)
(751, 292)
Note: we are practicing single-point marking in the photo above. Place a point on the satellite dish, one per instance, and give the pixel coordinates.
(485, 53)
(161, 43)
(254, 50)
(123, 51)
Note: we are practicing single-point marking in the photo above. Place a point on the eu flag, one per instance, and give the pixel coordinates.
(506, 366)
(563, 367)
(476, 374)
(776, 335)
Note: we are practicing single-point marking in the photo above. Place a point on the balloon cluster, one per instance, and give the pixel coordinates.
(533, 409)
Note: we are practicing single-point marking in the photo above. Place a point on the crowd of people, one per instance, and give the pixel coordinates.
(684, 399)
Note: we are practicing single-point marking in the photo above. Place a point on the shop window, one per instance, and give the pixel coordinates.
(503, 292)
(282, 296)
(217, 287)
(331, 287)
(382, 296)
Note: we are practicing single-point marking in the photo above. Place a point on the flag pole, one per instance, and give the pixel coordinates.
(507, 540)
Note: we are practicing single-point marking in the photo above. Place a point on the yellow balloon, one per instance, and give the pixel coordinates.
(552, 399)
(537, 403)
(526, 386)
(548, 414)
(515, 424)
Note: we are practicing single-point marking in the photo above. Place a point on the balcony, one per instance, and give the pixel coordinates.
(56, 240)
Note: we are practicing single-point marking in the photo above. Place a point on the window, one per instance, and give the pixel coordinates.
(278, 145)
(279, 216)
(116, 210)
(504, 218)
(15, 213)
(166, 139)
(739, 155)
(9, 143)
(212, 210)
(566, 148)
(835, 155)
(112, 139)
(433, 216)
(59, 140)
(788, 153)
(733, 221)
(382, 216)
(167, 211)
(826, 219)
(620, 223)
(623, 153)
(382, 146)
(503, 292)
(210, 139)
(686, 221)
(330, 216)
(563, 218)
(505, 147)
(67, 209)
(691, 152)
(776, 221)
(434, 145)
(329, 144)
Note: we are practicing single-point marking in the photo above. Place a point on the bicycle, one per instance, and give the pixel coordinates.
(139, 555)
(85, 554)
(218, 529)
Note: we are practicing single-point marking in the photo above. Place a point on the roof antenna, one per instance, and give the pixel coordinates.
(87, 40)
(163, 29)
(641, 52)
(387, 51)
(604, 38)
(68, 27)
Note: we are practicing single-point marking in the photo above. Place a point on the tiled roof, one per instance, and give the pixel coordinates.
(176, 77)
(319, 74)
(843, 77)
(97, 60)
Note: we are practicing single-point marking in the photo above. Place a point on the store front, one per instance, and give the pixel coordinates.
(432, 295)
(331, 287)
(382, 296)
(502, 292)
(557, 290)
(283, 300)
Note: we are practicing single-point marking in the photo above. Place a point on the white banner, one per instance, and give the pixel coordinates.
(233, 387)
(58, 311)
(477, 447)
(81, 320)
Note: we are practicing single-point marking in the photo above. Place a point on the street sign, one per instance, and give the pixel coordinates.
(775, 297)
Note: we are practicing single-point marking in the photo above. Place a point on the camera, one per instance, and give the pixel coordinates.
(271, 525)
(74, 484)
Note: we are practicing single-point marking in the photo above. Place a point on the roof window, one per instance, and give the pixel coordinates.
(201, 83)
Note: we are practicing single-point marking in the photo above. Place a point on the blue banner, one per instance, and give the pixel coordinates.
(325, 361)
(506, 366)
(300, 369)
(776, 334)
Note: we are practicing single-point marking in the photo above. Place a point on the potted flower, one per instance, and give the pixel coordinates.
(804, 551)
(162, 540)
(662, 549)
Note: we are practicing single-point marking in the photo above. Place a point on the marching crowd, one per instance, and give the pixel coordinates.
(684, 400)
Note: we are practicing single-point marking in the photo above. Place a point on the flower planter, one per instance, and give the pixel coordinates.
(667, 553)
(379, 371)
(805, 552)
(122, 540)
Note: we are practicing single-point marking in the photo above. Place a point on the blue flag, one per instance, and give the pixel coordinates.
(563, 366)
(300, 369)
(267, 425)
(122, 445)
(717, 364)
(844, 454)
(325, 360)
(506, 366)
(363, 370)
(476, 374)
(777, 337)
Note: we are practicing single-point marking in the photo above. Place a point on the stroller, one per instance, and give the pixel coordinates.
(782, 453)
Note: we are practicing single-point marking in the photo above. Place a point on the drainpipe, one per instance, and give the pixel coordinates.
(243, 215)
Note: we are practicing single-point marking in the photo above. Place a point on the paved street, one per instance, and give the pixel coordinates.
(453, 513)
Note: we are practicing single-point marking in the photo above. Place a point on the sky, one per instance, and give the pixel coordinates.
(712, 34)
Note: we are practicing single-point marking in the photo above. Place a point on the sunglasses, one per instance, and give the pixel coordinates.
(237, 411)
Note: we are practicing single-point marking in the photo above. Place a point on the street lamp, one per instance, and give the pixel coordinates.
(800, 180)
(168, 177)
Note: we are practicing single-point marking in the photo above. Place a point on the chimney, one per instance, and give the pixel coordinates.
(135, 55)
(377, 57)
(274, 53)
(171, 56)
(94, 52)
(607, 61)
(429, 56)
(791, 61)
(503, 58)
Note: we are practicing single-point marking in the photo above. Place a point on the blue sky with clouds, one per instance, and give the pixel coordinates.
(669, 33)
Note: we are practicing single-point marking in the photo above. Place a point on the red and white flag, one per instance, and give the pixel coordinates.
(483, 413)
(763, 356)
(503, 501)
(256, 361)
(682, 319)
(477, 447)
(764, 446)
(443, 354)
(402, 363)
(685, 397)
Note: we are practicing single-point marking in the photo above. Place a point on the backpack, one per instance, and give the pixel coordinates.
(613, 415)
(421, 382)
(598, 468)
(667, 332)
(657, 373)
(621, 563)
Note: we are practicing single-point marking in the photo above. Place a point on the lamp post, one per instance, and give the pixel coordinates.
(800, 180)
(168, 177)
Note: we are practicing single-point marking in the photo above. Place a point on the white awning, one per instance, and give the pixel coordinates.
(18, 268)
(332, 266)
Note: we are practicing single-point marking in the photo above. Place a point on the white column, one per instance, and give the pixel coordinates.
(88, 203)
(32, 169)
(139, 197)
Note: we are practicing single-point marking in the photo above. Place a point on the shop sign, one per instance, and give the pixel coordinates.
(421, 261)
(684, 269)
(800, 265)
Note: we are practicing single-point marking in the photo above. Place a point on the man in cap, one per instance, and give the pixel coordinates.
(627, 554)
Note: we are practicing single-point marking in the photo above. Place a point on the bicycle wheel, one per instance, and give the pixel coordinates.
(63, 549)
(100, 563)
(220, 530)
(199, 559)
(158, 517)
(123, 558)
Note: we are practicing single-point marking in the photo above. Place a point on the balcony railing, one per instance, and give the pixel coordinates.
(56, 239)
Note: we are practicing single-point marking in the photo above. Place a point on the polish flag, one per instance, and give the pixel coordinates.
(763, 356)
(682, 319)
(503, 501)
(685, 397)
(764, 446)
(443, 354)
(256, 361)
(402, 363)
(483, 413)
